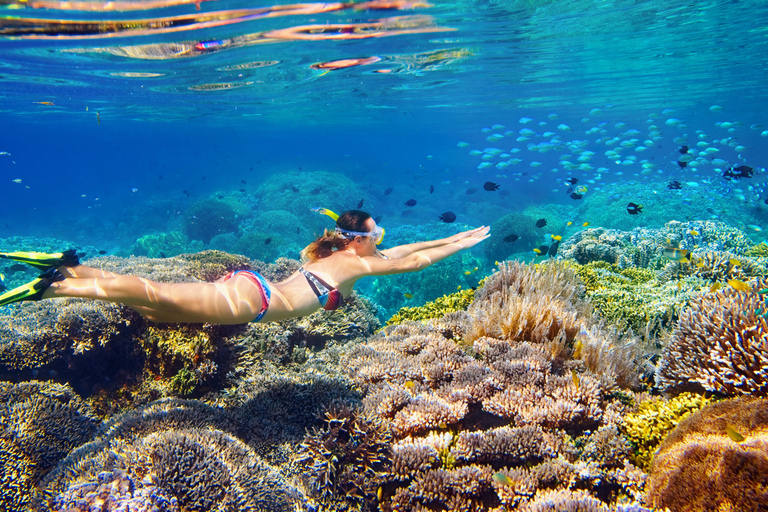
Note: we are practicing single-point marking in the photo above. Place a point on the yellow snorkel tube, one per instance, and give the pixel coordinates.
(326, 211)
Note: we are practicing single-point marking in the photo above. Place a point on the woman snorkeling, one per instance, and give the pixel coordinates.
(333, 263)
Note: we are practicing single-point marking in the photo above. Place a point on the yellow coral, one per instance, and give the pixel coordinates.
(458, 301)
(647, 427)
(170, 349)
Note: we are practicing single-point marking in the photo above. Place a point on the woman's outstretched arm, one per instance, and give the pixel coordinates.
(401, 251)
(423, 258)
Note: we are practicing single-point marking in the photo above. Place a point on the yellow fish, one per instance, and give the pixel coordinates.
(679, 286)
(715, 286)
(409, 384)
(734, 262)
(585, 224)
(733, 434)
(502, 479)
(458, 287)
(577, 349)
(17, 180)
(739, 286)
(556, 237)
(408, 295)
(537, 250)
(693, 232)
(467, 272)
(576, 379)
(43, 102)
(442, 425)
(378, 494)
(568, 223)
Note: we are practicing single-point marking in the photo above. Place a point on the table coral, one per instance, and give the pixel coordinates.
(720, 344)
(716, 459)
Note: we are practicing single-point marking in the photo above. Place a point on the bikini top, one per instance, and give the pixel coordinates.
(330, 298)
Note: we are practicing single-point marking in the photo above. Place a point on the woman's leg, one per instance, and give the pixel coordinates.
(234, 301)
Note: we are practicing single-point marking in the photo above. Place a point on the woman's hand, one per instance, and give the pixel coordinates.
(467, 239)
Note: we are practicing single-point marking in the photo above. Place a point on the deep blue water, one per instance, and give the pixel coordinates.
(164, 137)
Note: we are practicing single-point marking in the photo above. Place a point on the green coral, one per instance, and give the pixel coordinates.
(458, 301)
(632, 297)
(757, 251)
(184, 382)
(647, 427)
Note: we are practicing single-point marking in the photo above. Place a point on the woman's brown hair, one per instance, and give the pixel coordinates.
(331, 241)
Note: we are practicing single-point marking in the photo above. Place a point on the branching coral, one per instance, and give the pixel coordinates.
(716, 459)
(654, 418)
(508, 404)
(713, 266)
(39, 423)
(172, 449)
(345, 459)
(720, 344)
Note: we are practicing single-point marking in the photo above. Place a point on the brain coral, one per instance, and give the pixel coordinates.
(700, 466)
(720, 344)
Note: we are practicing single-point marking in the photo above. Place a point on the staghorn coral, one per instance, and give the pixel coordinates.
(539, 304)
(648, 425)
(699, 467)
(40, 423)
(720, 344)
(344, 460)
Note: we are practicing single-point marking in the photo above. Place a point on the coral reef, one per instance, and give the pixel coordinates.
(454, 302)
(209, 217)
(211, 265)
(716, 459)
(345, 460)
(720, 344)
(647, 426)
(633, 298)
(177, 451)
(712, 267)
(39, 424)
(163, 245)
(520, 224)
(757, 251)
(457, 411)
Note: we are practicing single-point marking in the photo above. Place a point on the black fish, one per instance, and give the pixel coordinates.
(162, 254)
(736, 173)
(266, 242)
(17, 267)
(389, 191)
(377, 219)
(243, 182)
(511, 238)
(102, 252)
(410, 202)
(634, 209)
(490, 186)
(674, 185)
(571, 181)
(471, 191)
(298, 230)
(543, 249)
(576, 195)
(360, 204)
(683, 149)
(185, 193)
(242, 190)
(431, 188)
(541, 223)
(448, 217)
(682, 163)
(553, 249)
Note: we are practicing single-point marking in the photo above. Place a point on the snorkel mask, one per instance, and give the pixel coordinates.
(376, 234)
